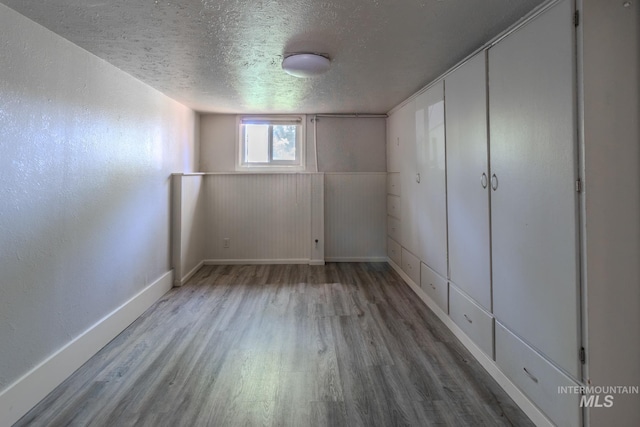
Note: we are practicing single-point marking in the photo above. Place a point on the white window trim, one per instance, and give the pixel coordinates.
(276, 168)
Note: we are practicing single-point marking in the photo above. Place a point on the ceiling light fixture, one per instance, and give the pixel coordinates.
(306, 64)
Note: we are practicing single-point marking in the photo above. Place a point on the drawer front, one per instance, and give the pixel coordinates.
(411, 266)
(435, 286)
(393, 206)
(473, 320)
(393, 183)
(537, 378)
(393, 228)
(394, 251)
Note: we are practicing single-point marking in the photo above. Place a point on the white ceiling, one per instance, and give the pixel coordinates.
(225, 55)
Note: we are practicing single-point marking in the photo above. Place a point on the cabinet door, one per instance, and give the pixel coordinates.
(409, 209)
(467, 180)
(430, 190)
(534, 204)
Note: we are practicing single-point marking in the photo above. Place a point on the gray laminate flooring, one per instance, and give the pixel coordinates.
(345, 344)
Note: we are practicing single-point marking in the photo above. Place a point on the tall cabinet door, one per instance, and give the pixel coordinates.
(534, 170)
(408, 177)
(467, 180)
(431, 191)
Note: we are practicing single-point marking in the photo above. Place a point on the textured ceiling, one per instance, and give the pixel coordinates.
(225, 55)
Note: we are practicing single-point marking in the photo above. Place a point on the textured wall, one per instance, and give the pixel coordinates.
(86, 153)
(352, 144)
(218, 146)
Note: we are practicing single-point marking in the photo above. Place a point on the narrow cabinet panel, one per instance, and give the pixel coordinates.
(394, 251)
(435, 286)
(409, 210)
(393, 228)
(472, 319)
(429, 185)
(393, 206)
(393, 183)
(411, 266)
(534, 201)
(468, 180)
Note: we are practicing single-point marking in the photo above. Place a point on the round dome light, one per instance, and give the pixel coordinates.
(306, 64)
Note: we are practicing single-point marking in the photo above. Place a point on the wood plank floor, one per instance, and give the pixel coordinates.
(345, 344)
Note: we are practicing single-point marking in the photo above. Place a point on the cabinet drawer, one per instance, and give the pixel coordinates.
(537, 378)
(394, 251)
(393, 183)
(393, 228)
(411, 266)
(472, 319)
(435, 286)
(393, 206)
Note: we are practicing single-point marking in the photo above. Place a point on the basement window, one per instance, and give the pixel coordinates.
(273, 143)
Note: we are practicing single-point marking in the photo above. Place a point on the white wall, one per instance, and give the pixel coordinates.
(352, 203)
(611, 72)
(344, 144)
(218, 143)
(351, 144)
(86, 153)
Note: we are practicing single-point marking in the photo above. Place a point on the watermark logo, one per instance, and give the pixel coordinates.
(598, 396)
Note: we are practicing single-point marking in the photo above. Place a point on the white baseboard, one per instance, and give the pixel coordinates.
(256, 261)
(189, 275)
(317, 262)
(356, 259)
(528, 407)
(17, 399)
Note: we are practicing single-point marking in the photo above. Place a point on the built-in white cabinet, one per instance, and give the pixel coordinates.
(394, 251)
(393, 183)
(423, 180)
(476, 322)
(411, 265)
(393, 217)
(495, 221)
(393, 206)
(537, 378)
(468, 180)
(534, 202)
(435, 286)
(393, 228)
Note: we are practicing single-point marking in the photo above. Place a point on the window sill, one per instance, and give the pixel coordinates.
(270, 169)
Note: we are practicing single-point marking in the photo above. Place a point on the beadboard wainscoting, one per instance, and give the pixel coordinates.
(355, 216)
(276, 218)
(258, 218)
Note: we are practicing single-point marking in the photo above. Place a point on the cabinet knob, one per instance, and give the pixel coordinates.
(484, 180)
(494, 182)
(418, 178)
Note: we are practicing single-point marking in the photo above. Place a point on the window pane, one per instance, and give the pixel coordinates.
(256, 143)
(284, 142)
